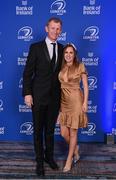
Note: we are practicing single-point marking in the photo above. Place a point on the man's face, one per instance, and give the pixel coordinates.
(53, 29)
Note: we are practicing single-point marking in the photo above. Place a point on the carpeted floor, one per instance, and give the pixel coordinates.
(98, 161)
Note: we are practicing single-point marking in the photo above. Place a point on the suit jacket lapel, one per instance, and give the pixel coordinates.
(48, 56)
(46, 52)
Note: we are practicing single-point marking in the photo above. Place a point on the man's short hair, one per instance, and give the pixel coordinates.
(55, 19)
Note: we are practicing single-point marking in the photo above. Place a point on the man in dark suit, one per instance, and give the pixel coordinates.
(41, 91)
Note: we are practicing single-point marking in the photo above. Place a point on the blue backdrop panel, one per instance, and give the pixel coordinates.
(90, 26)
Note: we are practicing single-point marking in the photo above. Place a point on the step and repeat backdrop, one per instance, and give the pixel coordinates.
(91, 26)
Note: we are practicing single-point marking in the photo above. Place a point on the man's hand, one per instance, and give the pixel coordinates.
(28, 100)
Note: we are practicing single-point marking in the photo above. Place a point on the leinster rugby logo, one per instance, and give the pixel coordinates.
(1, 84)
(25, 33)
(1, 105)
(91, 129)
(91, 33)
(92, 81)
(21, 83)
(58, 7)
(114, 108)
(27, 128)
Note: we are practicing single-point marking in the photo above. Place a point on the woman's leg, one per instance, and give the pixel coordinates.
(65, 133)
(72, 145)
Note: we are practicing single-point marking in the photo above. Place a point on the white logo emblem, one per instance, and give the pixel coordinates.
(114, 86)
(91, 33)
(90, 129)
(2, 130)
(24, 108)
(25, 33)
(1, 84)
(58, 7)
(92, 2)
(90, 60)
(91, 9)
(21, 83)
(1, 103)
(27, 128)
(91, 108)
(62, 37)
(0, 58)
(57, 129)
(114, 108)
(92, 81)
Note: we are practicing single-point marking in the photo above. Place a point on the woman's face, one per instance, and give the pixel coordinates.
(69, 55)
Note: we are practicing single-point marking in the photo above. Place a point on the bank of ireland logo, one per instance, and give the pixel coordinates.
(24, 9)
(21, 61)
(24, 2)
(92, 108)
(26, 128)
(58, 7)
(92, 82)
(91, 33)
(91, 129)
(24, 108)
(25, 33)
(92, 2)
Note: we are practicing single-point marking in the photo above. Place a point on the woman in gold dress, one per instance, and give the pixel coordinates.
(73, 101)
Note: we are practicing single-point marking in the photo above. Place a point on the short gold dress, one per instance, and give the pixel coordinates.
(71, 114)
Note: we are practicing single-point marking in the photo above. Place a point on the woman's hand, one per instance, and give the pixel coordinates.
(84, 107)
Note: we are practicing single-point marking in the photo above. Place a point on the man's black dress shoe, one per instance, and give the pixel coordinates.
(40, 171)
(51, 163)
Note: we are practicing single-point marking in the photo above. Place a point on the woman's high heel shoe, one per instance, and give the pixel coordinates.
(76, 159)
(66, 170)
